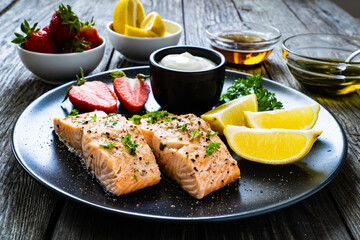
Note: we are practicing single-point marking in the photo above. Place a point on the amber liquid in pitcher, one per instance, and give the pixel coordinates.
(237, 56)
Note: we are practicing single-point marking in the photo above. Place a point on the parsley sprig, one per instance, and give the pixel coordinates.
(252, 84)
(212, 147)
(129, 145)
(108, 145)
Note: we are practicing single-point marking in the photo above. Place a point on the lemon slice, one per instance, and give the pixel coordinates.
(270, 146)
(128, 12)
(154, 23)
(231, 113)
(138, 32)
(302, 118)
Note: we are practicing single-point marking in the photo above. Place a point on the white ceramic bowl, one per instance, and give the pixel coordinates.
(63, 67)
(138, 50)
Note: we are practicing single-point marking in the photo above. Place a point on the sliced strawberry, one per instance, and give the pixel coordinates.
(133, 93)
(90, 96)
(89, 33)
(35, 40)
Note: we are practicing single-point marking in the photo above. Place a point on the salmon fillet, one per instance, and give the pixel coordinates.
(189, 152)
(113, 148)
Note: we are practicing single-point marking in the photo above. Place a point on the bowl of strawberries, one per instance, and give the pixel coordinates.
(56, 52)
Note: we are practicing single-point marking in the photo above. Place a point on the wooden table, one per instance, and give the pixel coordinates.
(30, 211)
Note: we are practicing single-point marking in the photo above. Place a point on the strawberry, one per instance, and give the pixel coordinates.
(90, 96)
(89, 33)
(64, 25)
(35, 40)
(76, 45)
(132, 92)
(46, 28)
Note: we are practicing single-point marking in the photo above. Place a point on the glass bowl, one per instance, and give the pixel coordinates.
(243, 43)
(318, 62)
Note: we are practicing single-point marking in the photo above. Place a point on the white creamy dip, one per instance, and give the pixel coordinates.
(186, 62)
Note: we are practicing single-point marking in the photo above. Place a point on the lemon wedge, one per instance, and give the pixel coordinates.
(128, 12)
(270, 146)
(301, 118)
(154, 23)
(231, 113)
(138, 32)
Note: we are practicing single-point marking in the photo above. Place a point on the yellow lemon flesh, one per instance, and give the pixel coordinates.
(230, 113)
(154, 23)
(128, 12)
(270, 146)
(138, 32)
(302, 118)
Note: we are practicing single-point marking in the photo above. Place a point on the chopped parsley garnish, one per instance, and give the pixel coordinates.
(136, 119)
(155, 116)
(252, 84)
(169, 119)
(136, 170)
(93, 118)
(183, 127)
(110, 115)
(108, 144)
(212, 147)
(73, 112)
(136, 179)
(196, 134)
(209, 134)
(162, 146)
(111, 123)
(129, 145)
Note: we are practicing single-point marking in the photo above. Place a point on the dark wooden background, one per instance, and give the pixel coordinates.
(30, 211)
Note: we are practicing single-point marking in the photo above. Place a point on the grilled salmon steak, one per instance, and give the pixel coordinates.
(188, 151)
(113, 148)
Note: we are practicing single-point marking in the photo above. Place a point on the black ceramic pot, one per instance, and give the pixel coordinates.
(187, 92)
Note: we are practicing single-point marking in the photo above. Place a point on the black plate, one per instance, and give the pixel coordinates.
(261, 189)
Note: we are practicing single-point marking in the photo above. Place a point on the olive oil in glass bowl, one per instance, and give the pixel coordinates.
(318, 62)
(243, 43)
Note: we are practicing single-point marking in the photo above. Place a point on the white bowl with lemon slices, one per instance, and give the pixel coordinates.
(138, 49)
(136, 35)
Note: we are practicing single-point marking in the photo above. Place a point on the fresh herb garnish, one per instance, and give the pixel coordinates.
(162, 146)
(136, 170)
(136, 179)
(169, 119)
(209, 134)
(111, 123)
(129, 145)
(196, 133)
(155, 116)
(252, 84)
(108, 144)
(212, 147)
(136, 119)
(73, 112)
(183, 127)
(93, 118)
(110, 115)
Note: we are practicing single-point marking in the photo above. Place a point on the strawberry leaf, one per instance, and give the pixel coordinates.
(142, 77)
(69, 17)
(118, 74)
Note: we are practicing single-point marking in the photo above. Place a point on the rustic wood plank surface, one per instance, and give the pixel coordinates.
(30, 211)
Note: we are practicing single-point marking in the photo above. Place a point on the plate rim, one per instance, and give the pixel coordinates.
(227, 217)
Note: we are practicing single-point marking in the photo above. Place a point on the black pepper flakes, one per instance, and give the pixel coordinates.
(196, 169)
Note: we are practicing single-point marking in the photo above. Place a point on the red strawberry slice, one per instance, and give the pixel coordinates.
(90, 96)
(132, 93)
